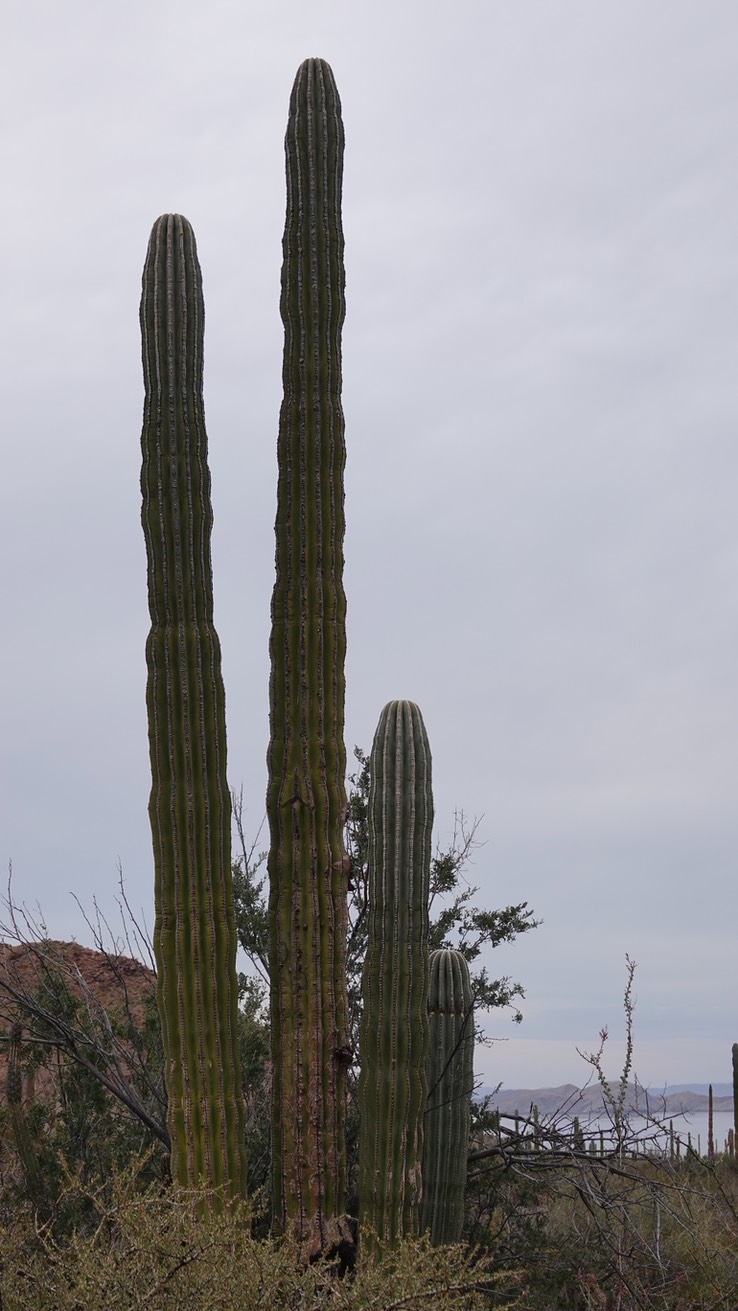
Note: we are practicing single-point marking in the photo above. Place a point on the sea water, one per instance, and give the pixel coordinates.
(656, 1133)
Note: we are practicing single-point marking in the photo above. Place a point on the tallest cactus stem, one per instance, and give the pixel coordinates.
(307, 759)
(190, 811)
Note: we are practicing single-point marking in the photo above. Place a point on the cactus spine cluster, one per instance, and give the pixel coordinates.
(306, 800)
(394, 1026)
(189, 808)
(450, 1070)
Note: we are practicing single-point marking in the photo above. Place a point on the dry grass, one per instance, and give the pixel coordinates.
(657, 1237)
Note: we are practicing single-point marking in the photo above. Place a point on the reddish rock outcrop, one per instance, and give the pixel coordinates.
(112, 982)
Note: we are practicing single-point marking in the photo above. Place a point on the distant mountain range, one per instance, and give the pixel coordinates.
(675, 1099)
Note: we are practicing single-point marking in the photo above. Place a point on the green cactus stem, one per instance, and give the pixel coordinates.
(450, 1070)
(735, 1091)
(394, 1028)
(189, 808)
(26, 1148)
(306, 799)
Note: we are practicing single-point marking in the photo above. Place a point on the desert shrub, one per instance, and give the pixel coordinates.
(147, 1250)
(636, 1235)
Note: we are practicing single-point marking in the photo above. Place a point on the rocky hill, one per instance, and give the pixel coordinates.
(588, 1102)
(108, 983)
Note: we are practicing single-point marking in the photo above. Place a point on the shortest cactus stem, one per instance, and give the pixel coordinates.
(450, 1069)
(393, 1039)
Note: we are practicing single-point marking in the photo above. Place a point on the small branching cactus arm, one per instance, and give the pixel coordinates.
(190, 808)
(450, 1086)
(306, 800)
(394, 1027)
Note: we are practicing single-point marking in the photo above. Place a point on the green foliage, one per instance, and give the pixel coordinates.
(455, 920)
(78, 1127)
(25, 1146)
(253, 1042)
(252, 917)
(465, 927)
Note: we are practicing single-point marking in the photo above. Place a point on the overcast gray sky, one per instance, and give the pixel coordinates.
(540, 398)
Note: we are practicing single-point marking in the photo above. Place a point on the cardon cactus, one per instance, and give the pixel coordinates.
(450, 1069)
(306, 799)
(189, 808)
(735, 1092)
(394, 1027)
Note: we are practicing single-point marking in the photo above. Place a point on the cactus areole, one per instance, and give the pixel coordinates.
(190, 812)
(393, 1039)
(308, 869)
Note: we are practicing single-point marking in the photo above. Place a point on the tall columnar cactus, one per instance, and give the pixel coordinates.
(306, 799)
(393, 1039)
(189, 808)
(450, 1069)
(735, 1093)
